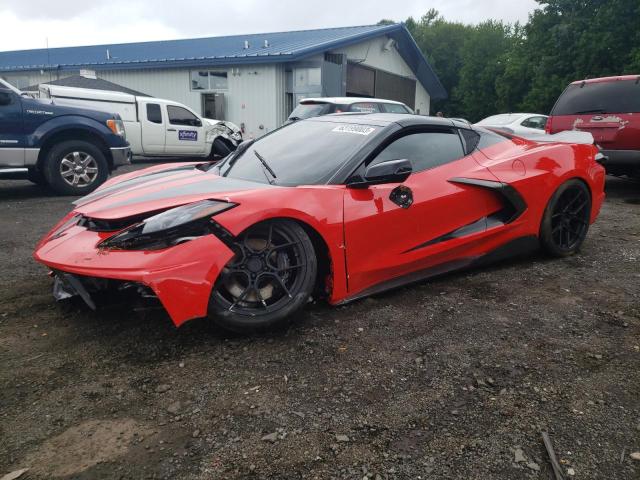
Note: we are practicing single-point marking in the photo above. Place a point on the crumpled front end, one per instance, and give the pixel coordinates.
(181, 276)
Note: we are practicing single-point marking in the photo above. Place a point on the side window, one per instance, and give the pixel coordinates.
(6, 98)
(394, 108)
(182, 116)
(425, 150)
(154, 115)
(535, 122)
(365, 107)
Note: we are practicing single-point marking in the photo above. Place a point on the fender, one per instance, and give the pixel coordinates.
(59, 124)
(323, 212)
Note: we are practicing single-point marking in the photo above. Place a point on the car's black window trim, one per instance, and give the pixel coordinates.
(358, 169)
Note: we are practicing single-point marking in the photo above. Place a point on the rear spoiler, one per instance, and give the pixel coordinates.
(568, 136)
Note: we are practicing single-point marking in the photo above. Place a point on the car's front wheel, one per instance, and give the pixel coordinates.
(271, 276)
(566, 219)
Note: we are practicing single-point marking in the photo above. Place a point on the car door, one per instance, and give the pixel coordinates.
(154, 126)
(185, 132)
(386, 238)
(12, 140)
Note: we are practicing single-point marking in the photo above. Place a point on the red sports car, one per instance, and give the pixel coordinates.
(341, 206)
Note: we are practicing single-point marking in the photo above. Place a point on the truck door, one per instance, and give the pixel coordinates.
(185, 132)
(153, 123)
(11, 130)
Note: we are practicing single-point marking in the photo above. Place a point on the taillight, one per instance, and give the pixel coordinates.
(547, 127)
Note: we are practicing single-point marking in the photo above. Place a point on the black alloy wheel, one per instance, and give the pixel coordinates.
(271, 276)
(566, 220)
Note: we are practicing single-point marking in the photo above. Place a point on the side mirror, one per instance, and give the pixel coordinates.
(391, 171)
(5, 99)
(197, 122)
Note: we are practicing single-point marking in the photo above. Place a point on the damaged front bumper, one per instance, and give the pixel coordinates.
(181, 277)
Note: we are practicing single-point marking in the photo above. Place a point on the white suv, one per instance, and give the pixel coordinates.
(315, 107)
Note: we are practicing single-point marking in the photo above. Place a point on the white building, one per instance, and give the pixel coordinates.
(252, 80)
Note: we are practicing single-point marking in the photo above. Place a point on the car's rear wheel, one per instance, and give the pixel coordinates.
(566, 219)
(271, 276)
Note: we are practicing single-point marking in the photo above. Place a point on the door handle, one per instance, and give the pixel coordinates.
(401, 196)
(171, 129)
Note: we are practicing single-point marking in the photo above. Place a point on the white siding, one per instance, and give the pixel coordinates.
(252, 96)
(255, 94)
(373, 54)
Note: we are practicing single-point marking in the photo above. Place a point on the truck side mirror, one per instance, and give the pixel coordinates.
(6, 98)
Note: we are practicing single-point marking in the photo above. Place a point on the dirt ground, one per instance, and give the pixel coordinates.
(449, 379)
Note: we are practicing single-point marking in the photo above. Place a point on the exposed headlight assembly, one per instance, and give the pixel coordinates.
(217, 130)
(169, 228)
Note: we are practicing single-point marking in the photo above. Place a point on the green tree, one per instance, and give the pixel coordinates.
(484, 57)
(495, 67)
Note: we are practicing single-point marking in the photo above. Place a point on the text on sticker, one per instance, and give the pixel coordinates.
(359, 129)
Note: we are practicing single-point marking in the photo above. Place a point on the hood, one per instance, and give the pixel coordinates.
(156, 189)
(49, 107)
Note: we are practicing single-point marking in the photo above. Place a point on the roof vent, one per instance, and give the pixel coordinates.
(246, 44)
(265, 44)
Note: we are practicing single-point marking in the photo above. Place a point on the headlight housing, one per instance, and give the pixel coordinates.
(117, 127)
(169, 228)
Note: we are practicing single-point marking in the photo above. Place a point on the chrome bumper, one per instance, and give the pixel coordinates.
(121, 156)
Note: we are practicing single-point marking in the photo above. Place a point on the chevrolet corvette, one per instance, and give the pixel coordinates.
(341, 207)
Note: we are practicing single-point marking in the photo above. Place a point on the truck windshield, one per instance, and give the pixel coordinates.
(621, 96)
(303, 153)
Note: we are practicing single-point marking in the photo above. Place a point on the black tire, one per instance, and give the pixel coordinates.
(271, 277)
(36, 176)
(221, 148)
(60, 176)
(566, 219)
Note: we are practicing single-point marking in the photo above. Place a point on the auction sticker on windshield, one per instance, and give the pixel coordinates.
(358, 129)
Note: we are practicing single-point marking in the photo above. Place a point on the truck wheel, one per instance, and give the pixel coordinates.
(75, 167)
(36, 176)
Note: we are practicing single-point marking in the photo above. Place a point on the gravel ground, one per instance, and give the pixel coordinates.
(452, 378)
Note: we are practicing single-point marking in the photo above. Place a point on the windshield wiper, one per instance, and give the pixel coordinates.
(265, 164)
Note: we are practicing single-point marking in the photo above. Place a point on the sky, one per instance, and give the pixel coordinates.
(30, 24)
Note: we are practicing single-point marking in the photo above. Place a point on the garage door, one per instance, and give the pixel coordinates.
(395, 87)
(361, 81)
(369, 82)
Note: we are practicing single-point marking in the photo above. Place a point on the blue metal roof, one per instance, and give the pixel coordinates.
(262, 48)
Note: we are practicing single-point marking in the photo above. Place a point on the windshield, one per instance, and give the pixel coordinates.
(308, 110)
(622, 96)
(503, 119)
(302, 153)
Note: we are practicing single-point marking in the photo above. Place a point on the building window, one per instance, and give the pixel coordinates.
(208, 80)
(308, 77)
